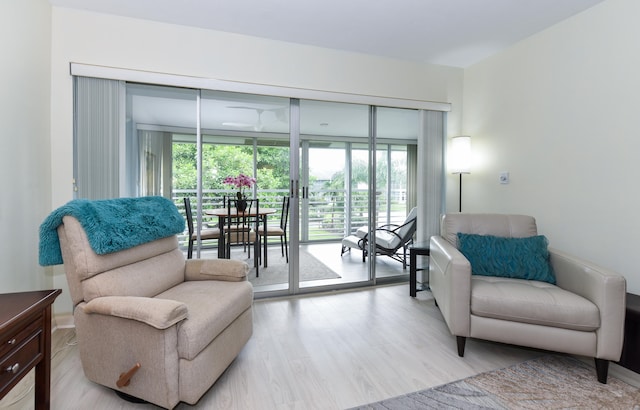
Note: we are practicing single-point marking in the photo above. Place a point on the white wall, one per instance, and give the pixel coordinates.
(559, 111)
(113, 41)
(25, 28)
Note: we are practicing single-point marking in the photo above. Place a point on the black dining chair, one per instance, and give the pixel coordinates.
(241, 228)
(280, 231)
(235, 229)
(205, 234)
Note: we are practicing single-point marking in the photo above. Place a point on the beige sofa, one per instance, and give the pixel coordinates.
(583, 314)
(184, 322)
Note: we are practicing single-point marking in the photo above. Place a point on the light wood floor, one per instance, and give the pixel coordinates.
(323, 351)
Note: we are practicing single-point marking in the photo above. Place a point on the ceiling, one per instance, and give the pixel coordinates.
(455, 33)
(447, 32)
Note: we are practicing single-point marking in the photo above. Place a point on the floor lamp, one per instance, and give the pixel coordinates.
(461, 160)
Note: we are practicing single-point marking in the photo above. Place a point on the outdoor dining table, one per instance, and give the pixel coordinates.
(223, 213)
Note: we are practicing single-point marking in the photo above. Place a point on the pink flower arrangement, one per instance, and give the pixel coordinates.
(241, 182)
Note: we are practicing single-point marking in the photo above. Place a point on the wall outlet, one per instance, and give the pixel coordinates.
(504, 177)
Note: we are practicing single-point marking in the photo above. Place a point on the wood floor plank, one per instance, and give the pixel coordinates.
(322, 351)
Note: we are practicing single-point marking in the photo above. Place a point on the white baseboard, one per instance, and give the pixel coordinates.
(63, 321)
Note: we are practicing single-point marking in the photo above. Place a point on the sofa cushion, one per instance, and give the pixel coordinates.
(362, 231)
(534, 302)
(521, 258)
(212, 306)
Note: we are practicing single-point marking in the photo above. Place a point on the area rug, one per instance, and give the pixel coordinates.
(277, 271)
(548, 382)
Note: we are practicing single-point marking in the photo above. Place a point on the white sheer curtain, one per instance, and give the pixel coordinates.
(412, 176)
(154, 150)
(98, 115)
(430, 178)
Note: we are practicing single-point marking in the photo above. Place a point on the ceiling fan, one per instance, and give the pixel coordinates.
(279, 112)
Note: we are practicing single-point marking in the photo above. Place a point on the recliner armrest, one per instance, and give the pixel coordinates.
(216, 269)
(159, 313)
(450, 283)
(584, 278)
(605, 288)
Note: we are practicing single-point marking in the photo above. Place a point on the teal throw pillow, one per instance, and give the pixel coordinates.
(521, 258)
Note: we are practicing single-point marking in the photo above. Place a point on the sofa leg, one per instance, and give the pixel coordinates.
(461, 341)
(602, 369)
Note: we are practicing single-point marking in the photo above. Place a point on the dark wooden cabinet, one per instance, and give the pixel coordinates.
(25, 341)
(630, 357)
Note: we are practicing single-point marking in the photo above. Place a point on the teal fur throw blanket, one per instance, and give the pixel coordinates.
(112, 224)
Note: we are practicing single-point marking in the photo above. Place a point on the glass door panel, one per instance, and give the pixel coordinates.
(272, 168)
(326, 199)
(396, 161)
(155, 163)
(332, 173)
(359, 201)
(249, 134)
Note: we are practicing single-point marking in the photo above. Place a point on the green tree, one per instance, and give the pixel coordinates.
(184, 166)
(273, 167)
(220, 161)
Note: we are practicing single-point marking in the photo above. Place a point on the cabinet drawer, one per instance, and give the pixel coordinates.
(16, 338)
(20, 361)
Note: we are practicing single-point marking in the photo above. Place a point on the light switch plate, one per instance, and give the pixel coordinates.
(504, 177)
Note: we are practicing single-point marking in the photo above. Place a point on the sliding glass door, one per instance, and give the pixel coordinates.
(345, 169)
(338, 189)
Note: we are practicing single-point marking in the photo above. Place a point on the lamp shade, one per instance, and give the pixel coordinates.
(460, 154)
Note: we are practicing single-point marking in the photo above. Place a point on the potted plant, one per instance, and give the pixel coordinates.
(241, 182)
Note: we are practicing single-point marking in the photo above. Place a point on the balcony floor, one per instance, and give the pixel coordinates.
(349, 266)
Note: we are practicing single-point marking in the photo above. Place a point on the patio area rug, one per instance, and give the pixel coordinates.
(277, 270)
(548, 382)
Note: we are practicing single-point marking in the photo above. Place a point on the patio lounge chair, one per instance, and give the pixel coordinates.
(390, 239)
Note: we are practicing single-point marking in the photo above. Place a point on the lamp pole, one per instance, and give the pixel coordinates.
(460, 195)
(461, 160)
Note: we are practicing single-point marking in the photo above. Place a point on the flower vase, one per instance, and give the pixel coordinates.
(241, 203)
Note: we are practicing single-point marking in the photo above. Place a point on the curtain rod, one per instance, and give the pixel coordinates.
(150, 77)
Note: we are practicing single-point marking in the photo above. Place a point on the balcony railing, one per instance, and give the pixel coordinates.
(328, 218)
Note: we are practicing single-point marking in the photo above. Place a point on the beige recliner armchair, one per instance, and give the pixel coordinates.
(582, 314)
(178, 323)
